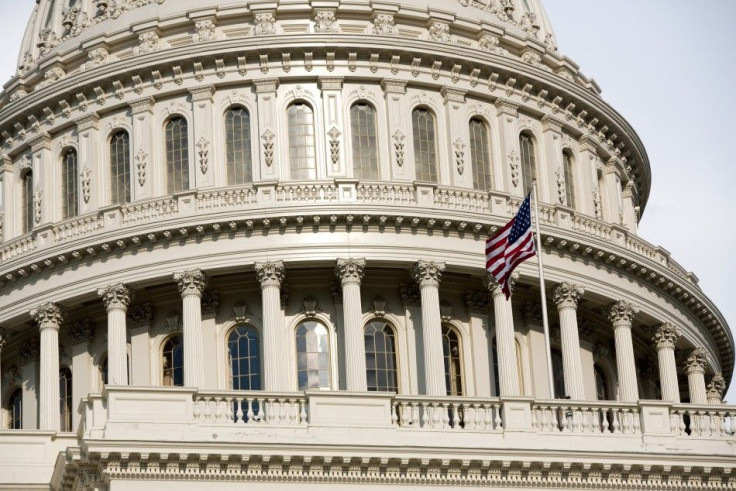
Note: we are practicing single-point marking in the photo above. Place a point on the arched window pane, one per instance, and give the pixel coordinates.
(302, 152)
(528, 162)
(480, 154)
(120, 168)
(238, 146)
(244, 357)
(27, 202)
(558, 374)
(15, 409)
(313, 356)
(453, 361)
(177, 155)
(69, 188)
(569, 179)
(380, 357)
(364, 141)
(173, 362)
(65, 398)
(425, 145)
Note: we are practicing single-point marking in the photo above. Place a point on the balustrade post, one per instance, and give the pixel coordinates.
(48, 318)
(695, 368)
(566, 296)
(350, 272)
(428, 274)
(191, 286)
(621, 315)
(116, 299)
(508, 376)
(666, 337)
(275, 359)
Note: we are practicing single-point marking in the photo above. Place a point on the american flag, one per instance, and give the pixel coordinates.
(513, 244)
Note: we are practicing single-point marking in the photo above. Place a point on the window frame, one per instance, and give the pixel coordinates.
(27, 211)
(69, 179)
(228, 361)
(568, 170)
(354, 148)
(15, 394)
(184, 152)
(446, 326)
(417, 143)
(397, 369)
(474, 161)
(162, 357)
(252, 152)
(332, 358)
(528, 166)
(311, 172)
(66, 402)
(127, 164)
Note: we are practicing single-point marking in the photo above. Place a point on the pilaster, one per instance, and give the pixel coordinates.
(399, 128)
(91, 175)
(142, 148)
(139, 320)
(9, 217)
(508, 116)
(334, 137)
(207, 161)
(80, 334)
(350, 273)
(268, 131)
(477, 307)
(461, 171)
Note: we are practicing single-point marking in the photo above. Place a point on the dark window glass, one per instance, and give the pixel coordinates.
(380, 357)
(15, 407)
(557, 374)
(120, 168)
(177, 155)
(528, 162)
(173, 362)
(425, 145)
(65, 398)
(364, 141)
(69, 187)
(302, 151)
(238, 146)
(451, 352)
(569, 179)
(480, 154)
(244, 357)
(27, 208)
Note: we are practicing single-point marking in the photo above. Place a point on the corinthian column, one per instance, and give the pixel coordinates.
(191, 285)
(275, 359)
(508, 376)
(716, 389)
(48, 319)
(116, 299)
(621, 315)
(695, 369)
(428, 274)
(566, 296)
(666, 337)
(350, 272)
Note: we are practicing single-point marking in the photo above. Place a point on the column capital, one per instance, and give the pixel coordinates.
(3, 338)
(140, 315)
(191, 282)
(476, 302)
(495, 288)
(350, 270)
(410, 295)
(695, 361)
(427, 273)
(47, 315)
(666, 336)
(115, 297)
(567, 295)
(532, 314)
(621, 313)
(81, 331)
(30, 351)
(717, 387)
(270, 273)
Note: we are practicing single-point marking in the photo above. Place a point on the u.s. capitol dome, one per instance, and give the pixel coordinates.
(243, 243)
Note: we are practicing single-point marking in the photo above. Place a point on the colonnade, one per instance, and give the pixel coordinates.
(427, 274)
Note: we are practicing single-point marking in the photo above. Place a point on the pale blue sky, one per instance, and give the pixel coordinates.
(668, 67)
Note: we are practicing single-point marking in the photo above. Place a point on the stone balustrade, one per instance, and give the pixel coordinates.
(448, 413)
(253, 407)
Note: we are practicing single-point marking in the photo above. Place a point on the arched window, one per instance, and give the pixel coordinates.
(302, 151)
(528, 162)
(313, 356)
(120, 168)
(480, 155)
(364, 141)
(173, 362)
(15, 410)
(558, 375)
(177, 155)
(452, 354)
(65, 398)
(567, 166)
(425, 145)
(238, 146)
(380, 357)
(601, 384)
(69, 187)
(244, 357)
(27, 206)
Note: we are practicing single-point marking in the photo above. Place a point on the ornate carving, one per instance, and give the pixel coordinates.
(532, 314)
(378, 303)
(459, 147)
(97, 57)
(191, 282)
(173, 321)
(26, 63)
(561, 195)
(241, 312)
(439, 31)
(410, 295)
(696, 361)
(3, 338)
(529, 23)
(52, 75)
(495, 288)
(205, 30)
(666, 336)
(586, 330)
(491, 44)
(47, 41)
(203, 153)
(140, 315)
(398, 138)
(270, 273)
(268, 138)
(476, 302)
(47, 315)
(265, 24)
(350, 270)
(116, 296)
(601, 352)
(81, 331)
(383, 24)
(141, 162)
(445, 310)
(427, 273)
(336, 292)
(549, 41)
(148, 42)
(716, 387)
(86, 183)
(325, 22)
(597, 203)
(309, 304)
(334, 135)
(37, 204)
(210, 302)
(621, 313)
(567, 295)
(514, 165)
(30, 351)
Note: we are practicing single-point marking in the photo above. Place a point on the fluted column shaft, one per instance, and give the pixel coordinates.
(508, 376)
(3, 342)
(48, 319)
(350, 272)
(116, 299)
(666, 337)
(566, 296)
(428, 274)
(191, 286)
(621, 315)
(275, 359)
(695, 369)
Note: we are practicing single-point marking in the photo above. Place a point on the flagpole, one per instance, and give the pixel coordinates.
(543, 290)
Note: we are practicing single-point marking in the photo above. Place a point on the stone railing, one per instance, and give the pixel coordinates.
(78, 227)
(150, 210)
(17, 247)
(243, 197)
(593, 417)
(386, 194)
(310, 192)
(456, 413)
(703, 421)
(250, 408)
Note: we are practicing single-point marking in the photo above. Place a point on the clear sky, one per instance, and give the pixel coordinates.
(668, 67)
